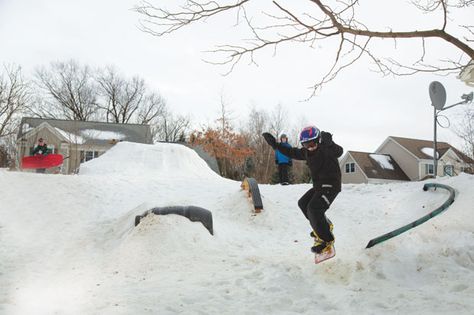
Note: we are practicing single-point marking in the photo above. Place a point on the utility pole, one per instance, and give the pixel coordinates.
(438, 100)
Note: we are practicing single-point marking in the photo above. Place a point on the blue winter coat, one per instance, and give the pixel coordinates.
(280, 158)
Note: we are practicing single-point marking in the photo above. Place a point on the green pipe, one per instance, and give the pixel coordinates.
(421, 220)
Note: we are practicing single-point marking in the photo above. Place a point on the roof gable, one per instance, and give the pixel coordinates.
(420, 148)
(378, 166)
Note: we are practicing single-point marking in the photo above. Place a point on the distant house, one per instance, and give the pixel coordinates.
(467, 74)
(77, 141)
(363, 167)
(400, 159)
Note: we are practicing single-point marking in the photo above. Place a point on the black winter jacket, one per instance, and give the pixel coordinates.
(322, 163)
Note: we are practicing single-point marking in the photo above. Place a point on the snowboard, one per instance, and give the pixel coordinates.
(41, 161)
(325, 255)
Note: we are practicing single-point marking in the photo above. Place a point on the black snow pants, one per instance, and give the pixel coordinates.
(283, 173)
(314, 203)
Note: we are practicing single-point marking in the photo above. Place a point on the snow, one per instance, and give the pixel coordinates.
(90, 134)
(429, 152)
(73, 138)
(68, 244)
(102, 135)
(383, 160)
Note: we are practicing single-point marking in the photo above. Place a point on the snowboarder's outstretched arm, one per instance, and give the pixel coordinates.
(293, 153)
(326, 141)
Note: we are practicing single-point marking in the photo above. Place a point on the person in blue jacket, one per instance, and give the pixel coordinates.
(283, 161)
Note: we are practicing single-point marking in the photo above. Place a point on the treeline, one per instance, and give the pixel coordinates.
(70, 90)
(244, 152)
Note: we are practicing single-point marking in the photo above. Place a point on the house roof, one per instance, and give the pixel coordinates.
(418, 148)
(467, 74)
(378, 166)
(90, 132)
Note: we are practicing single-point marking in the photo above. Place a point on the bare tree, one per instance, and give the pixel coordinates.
(465, 130)
(70, 92)
(14, 99)
(278, 120)
(262, 161)
(127, 100)
(171, 128)
(152, 109)
(313, 21)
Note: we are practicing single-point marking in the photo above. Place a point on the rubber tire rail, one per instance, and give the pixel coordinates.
(193, 213)
(421, 220)
(250, 184)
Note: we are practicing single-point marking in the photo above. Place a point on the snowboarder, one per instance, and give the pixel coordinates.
(40, 149)
(283, 161)
(321, 154)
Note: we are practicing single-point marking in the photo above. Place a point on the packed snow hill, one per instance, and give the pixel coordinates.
(68, 244)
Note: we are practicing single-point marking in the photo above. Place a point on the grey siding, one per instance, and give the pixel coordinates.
(407, 162)
(357, 177)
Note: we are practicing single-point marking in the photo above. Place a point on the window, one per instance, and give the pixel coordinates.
(448, 170)
(350, 167)
(89, 155)
(429, 169)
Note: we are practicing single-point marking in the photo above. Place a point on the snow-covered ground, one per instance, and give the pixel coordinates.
(68, 244)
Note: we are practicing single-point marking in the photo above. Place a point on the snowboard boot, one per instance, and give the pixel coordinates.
(331, 228)
(323, 247)
(318, 241)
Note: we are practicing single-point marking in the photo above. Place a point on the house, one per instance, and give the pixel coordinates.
(77, 141)
(467, 74)
(363, 167)
(402, 159)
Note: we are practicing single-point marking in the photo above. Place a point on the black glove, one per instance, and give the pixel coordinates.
(290, 163)
(326, 138)
(270, 139)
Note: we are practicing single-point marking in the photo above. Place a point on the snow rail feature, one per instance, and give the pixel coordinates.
(251, 186)
(421, 220)
(191, 212)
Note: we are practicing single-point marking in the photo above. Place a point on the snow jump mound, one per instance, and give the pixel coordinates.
(166, 160)
(191, 212)
(421, 220)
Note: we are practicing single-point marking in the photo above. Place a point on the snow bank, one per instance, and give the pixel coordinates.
(162, 160)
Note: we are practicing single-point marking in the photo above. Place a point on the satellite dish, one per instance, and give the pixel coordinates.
(437, 95)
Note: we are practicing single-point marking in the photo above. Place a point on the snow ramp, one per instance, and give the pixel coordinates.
(166, 160)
